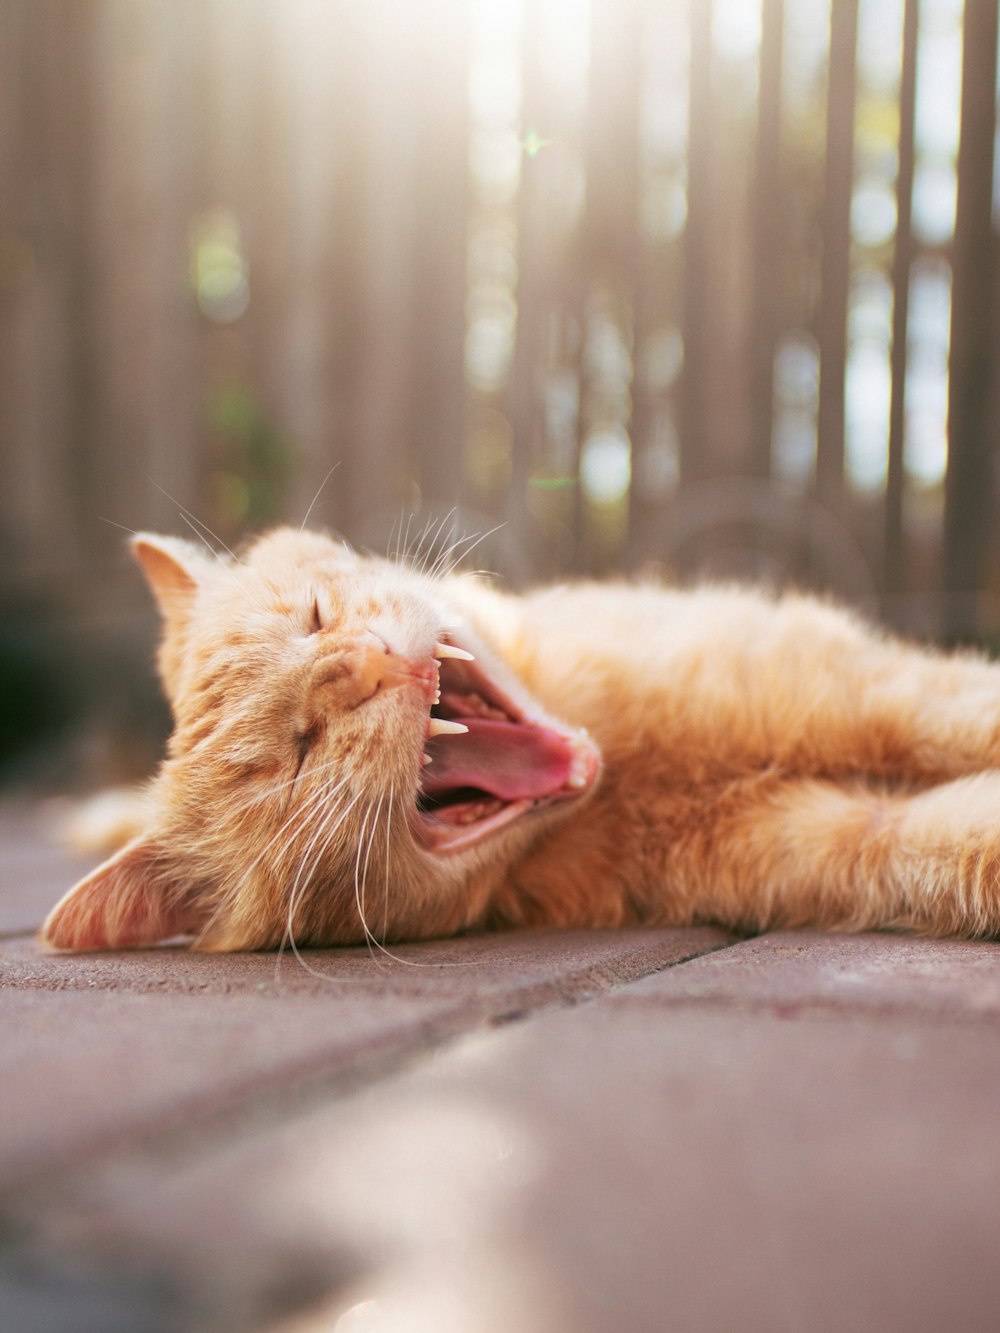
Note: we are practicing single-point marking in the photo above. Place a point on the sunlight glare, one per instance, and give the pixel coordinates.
(606, 466)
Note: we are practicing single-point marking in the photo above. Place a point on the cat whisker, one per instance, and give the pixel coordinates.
(200, 529)
(361, 876)
(292, 825)
(260, 798)
(131, 531)
(304, 813)
(293, 906)
(319, 492)
(441, 564)
(326, 833)
(393, 550)
(410, 553)
(194, 523)
(299, 818)
(444, 565)
(401, 551)
(430, 536)
(204, 541)
(388, 848)
(371, 938)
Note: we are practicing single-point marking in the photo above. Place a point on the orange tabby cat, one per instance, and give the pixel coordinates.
(361, 747)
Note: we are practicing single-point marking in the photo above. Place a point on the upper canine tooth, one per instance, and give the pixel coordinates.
(449, 650)
(442, 726)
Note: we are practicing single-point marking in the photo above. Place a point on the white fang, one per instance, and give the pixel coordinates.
(442, 726)
(449, 650)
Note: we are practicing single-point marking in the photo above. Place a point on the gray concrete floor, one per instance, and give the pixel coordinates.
(547, 1132)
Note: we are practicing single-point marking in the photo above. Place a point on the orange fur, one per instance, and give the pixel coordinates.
(763, 762)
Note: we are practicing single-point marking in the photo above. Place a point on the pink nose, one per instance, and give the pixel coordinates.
(362, 667)
(379, 668)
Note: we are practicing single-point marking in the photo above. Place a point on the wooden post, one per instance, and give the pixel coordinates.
(694, 388)
(765, 303)
(836, 267)
(969, 484)
(893, 567)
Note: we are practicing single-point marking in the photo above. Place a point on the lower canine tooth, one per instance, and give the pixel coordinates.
(442, 726)
(425, 759)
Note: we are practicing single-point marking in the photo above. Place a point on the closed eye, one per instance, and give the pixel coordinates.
(304, 743)
(315, 619)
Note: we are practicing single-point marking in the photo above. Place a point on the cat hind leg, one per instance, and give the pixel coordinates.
(848, 857)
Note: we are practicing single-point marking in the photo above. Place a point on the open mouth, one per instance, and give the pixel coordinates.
(486, 763)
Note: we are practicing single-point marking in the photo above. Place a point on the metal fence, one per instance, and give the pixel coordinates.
(705, 287)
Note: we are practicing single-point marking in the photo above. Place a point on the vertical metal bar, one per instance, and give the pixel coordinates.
(765, 303)
(893, 567)
(969, 480)
(694, 432)
(836, 266)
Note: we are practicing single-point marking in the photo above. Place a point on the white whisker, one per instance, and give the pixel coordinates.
(131, 531)
(299, 817)
(361, 878)
(319, 492)
(428, 538)
(388, 848)
(328, 824)
(192, 519)
(444, 566)
(401, 550)
(380, 944)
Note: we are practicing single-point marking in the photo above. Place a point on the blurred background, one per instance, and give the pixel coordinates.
(690, 286)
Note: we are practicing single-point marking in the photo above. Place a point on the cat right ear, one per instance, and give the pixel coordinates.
(130, 901)
(173, 568)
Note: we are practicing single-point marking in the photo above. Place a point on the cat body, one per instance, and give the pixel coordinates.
(360, 748)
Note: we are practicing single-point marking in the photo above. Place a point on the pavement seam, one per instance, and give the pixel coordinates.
(943, 1011)
(194, 1127)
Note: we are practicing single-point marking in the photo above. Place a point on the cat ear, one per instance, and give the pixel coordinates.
(173, 568)
(129, 901)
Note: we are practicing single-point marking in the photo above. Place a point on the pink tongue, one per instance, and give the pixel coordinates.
(503, 758)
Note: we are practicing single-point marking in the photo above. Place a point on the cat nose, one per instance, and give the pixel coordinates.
(363, 666)
(379, 668)
(367, 665)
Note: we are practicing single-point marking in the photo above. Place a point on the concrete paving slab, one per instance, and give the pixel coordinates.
(98, 1046)
(791, 1132)
(640, 1166)
(790, 970)
(35, 869)
(569, 965)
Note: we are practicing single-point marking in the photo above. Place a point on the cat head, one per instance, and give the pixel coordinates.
(348, 754)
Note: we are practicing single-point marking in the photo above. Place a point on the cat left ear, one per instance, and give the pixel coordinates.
(173, 568)
(128, 902)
